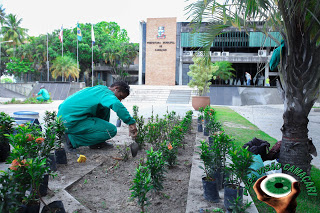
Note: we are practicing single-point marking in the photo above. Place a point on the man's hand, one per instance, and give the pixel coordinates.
(133, 131)
(285, 204)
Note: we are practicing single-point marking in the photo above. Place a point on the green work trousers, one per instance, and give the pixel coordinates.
(90, 132)
(40, 98)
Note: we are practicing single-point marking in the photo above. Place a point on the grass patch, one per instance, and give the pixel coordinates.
(31, 100)
(243, 131)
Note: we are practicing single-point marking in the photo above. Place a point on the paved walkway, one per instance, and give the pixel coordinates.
(268, 118)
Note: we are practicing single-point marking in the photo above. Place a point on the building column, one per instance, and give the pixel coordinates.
(180, 67)
(266, 72)
(140, 54)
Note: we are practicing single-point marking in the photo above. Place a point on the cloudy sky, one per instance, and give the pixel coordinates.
(42, 16)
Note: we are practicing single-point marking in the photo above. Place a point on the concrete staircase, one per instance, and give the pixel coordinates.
(160, 94)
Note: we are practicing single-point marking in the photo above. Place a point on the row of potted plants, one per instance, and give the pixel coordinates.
(25, 182)
(225, 165)
(165, 135)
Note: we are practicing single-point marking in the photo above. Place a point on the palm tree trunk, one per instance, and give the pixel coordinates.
(300, 76)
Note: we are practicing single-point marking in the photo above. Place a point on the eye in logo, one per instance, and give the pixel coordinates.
(161, 34)
(277, 185)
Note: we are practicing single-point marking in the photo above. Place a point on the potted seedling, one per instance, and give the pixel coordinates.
(6, 127)
(220, 144)
(209, 167)
(201, 72)
(238, 169)
(141, 186)
(60, 153)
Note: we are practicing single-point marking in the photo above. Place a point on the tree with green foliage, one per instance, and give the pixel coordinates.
(64, 66)
(298, 21)
(12, 30)
(18, 67)
(201, 72)
(224, 71)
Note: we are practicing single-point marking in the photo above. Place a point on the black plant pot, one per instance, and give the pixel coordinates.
(52, 162)
(4, 150)
(205, 131)
(200, 128)
(210, 190)
(55, 206)
(206, 121)
(33, 208)
(230, 194)
(22, 209)
(43, 188)
(61, 156)
(118, 123)
(199, 120)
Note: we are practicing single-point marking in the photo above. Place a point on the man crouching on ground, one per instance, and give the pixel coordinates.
(86, 115)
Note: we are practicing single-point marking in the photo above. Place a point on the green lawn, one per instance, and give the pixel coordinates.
(243, 131)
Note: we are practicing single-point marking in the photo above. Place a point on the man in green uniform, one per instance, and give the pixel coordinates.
(86, 115)
(44, 94)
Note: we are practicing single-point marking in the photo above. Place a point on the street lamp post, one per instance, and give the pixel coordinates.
(1, 52)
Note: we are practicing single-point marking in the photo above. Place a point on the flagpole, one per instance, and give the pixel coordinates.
(92, 42)
(47, 57)
(62, 40)
(77, 53)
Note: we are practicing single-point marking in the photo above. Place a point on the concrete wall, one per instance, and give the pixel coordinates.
(161, 51)
(21, 88)
(239, 96)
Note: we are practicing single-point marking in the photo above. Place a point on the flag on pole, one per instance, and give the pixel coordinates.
(61, 34)
(79, 34)
(92, 34)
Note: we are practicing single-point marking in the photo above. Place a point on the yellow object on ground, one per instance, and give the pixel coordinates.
(81, 159)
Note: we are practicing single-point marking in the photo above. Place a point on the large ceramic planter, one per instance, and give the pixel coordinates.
(210, 190)
(200, 101)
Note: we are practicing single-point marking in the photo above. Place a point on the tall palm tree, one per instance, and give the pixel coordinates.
(298, 21)
(12, 30)
(224, 71)
(2, 14)
(64, 66)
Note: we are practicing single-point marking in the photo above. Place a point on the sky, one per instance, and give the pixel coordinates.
(43, 16)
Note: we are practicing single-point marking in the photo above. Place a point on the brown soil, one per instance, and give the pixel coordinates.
(106, 187)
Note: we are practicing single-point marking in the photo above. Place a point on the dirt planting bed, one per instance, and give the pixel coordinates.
(106, 180)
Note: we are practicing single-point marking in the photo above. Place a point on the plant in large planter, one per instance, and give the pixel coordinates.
(201, 72)
(6, 127)
(238, 169)
(210, 162)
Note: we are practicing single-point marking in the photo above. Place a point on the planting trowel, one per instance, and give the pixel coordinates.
(134, 146)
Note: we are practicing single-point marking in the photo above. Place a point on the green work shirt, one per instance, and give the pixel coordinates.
(92, 102)
(45, 94)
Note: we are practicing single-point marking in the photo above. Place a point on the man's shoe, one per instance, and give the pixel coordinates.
(67, 144)
(101, 145)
